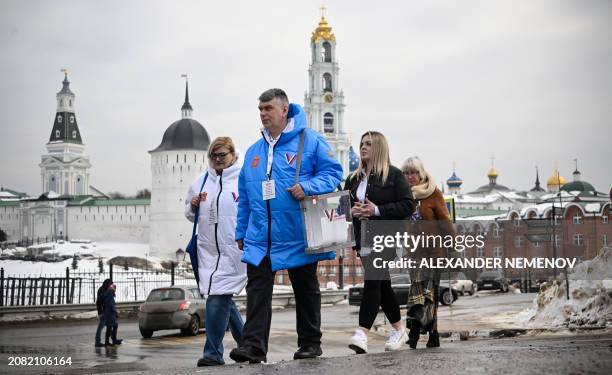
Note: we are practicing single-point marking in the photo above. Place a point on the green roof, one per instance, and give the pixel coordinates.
(15, 193)
(466, 212)
(9, 203)
(88, 200)
(583, 187)
(122, 202)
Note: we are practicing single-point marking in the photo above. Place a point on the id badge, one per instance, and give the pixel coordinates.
(267, 189)
(212, 213)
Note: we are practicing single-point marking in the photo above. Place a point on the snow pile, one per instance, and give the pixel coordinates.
(590, 302)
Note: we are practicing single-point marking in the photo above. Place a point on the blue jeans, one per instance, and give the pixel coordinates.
(221, 311)
(99, 329)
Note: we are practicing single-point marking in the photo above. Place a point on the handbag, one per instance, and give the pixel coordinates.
(192, 246)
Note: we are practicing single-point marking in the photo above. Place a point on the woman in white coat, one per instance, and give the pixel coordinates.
(220, 270)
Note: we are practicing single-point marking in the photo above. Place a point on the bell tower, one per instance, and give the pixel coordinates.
(65, 167)
(324, 100)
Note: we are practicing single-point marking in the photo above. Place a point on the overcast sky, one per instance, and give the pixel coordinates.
(528, 82)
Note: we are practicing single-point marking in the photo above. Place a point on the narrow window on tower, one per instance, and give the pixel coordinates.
(327, 56)
(328, 122)
(59, 118)
(57, 134)
(74, 134)
(327, 82)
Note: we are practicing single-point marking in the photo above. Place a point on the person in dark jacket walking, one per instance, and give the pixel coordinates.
(99, 305)
(111, 317)
(378, 192)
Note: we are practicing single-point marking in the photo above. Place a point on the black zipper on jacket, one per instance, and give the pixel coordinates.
(268, 203)
(216, 234)
(269, 230)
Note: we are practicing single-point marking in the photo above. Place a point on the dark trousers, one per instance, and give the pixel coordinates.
(256, 331)
(378, 293)
(99, 329)
(111, 333)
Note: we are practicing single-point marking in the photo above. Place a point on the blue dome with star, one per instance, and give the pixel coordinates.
(454, 181)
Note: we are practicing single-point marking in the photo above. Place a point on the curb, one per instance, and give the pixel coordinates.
(463, 335)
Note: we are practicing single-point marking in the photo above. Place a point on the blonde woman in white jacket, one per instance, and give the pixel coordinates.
(220, 270)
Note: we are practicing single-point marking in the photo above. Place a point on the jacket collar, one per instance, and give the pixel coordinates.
(230, 172)
(296, 122)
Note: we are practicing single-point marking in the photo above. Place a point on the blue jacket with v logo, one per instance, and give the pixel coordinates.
(277, 224)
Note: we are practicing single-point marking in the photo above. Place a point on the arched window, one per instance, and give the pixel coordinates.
(79, 186)
(57, 134)
(328, 123)
(52, 184)
(327, 55)
(327, 82)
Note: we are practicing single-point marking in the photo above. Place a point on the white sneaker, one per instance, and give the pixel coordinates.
(359, 342)
(396, 339)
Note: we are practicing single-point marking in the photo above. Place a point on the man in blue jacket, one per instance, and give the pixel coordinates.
(270, 228)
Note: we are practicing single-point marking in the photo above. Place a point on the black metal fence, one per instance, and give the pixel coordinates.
(77, 287)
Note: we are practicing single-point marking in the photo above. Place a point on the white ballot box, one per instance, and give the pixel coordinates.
(327, 222)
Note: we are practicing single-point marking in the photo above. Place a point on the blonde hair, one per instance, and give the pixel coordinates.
(414, 164)
(221, 142)
(379, 157)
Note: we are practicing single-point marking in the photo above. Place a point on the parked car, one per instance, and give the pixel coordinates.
(401, 286)
(175, 307)
(458, 282)
(492, 280)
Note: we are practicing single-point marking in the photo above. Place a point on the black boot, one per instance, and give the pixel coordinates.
(414, 334)
(434, 340)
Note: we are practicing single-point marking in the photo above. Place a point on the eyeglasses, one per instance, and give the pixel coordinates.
(219, 155)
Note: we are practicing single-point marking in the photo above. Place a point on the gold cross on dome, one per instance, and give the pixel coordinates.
(65, 71)
(323, 8)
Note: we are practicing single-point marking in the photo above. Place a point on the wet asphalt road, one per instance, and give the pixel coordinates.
(168, 351)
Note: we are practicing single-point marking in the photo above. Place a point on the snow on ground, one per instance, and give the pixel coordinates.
(88, 257)
(590, 302)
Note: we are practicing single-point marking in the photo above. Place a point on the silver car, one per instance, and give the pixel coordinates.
(175, 307)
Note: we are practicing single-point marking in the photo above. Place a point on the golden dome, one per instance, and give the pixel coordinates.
(323, 32)
(556, 179)
(492, 172)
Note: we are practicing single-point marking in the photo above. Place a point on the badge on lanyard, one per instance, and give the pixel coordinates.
(212, 213)
(267, 189)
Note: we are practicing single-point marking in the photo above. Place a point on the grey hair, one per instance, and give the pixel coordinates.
(414, 164)
(272, 94)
